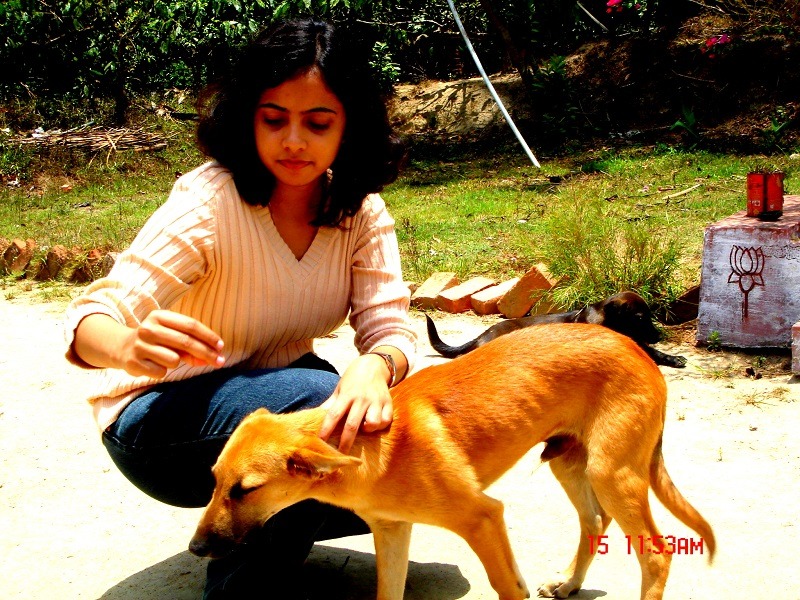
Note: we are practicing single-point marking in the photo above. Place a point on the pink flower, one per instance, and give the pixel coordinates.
(612, 3)
(711, 41)
(724, 39)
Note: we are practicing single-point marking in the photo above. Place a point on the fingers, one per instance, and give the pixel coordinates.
(186, 336)
(165, 339)
(369, 411)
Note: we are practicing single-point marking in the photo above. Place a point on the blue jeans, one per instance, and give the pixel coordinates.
(166, 441)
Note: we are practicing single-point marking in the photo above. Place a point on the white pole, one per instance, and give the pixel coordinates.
(491, 87)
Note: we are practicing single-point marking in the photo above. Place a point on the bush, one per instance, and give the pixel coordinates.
(596, 255)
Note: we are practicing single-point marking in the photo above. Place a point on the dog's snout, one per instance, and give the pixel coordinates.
(211, 545)
(199, 546)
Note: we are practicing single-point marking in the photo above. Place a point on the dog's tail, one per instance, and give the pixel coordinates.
(670, 497)
(444, 349)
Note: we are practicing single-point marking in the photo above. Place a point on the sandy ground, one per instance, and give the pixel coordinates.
(73, 527)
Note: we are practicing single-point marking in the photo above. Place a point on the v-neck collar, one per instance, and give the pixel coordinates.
(306, 265)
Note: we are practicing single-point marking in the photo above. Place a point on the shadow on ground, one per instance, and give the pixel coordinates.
(330, 573)
(179, 577)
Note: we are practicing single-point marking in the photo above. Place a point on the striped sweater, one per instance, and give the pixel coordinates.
(207, 254)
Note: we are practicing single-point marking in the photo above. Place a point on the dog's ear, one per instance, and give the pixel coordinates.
(314, 464)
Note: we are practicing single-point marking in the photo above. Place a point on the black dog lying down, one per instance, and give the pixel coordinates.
(626, 313)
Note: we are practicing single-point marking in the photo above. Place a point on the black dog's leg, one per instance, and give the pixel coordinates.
(666, 360)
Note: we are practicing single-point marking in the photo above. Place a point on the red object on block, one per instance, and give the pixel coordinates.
(756, 193)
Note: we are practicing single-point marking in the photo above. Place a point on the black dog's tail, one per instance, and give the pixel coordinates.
(444, 349)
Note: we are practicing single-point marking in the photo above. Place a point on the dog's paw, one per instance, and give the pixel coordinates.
(679, 362)
(558, 589)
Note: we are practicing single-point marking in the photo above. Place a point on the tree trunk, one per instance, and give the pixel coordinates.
(517, 55)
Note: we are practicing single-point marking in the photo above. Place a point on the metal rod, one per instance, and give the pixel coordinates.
(491, 87)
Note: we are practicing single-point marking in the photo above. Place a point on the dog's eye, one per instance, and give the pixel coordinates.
(237, 492)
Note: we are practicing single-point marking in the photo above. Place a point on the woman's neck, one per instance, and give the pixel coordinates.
(297, 204)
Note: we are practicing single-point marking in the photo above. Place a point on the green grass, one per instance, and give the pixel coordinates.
(499, 216)
(604, 219)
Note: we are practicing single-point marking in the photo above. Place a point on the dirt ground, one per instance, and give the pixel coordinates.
(73, 527)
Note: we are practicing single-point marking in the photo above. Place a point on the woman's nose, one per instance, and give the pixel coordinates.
(294, 140)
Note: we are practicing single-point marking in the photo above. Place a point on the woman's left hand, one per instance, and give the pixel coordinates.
(363, 395)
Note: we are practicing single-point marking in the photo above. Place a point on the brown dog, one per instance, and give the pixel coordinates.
(626, 313)
(591, 394)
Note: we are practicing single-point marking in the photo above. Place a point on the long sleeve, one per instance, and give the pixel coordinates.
(207, 254)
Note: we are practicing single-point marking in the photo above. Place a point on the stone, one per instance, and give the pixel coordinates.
(425, 296)
(109, 259)
(457, 299)
(796, 348)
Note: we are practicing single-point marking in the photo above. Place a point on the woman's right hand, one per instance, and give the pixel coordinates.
(160, 343)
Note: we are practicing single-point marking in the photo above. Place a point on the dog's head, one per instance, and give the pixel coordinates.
(269, 463)
(628, 313)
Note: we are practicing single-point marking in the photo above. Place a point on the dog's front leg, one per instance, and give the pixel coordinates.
(392, 540)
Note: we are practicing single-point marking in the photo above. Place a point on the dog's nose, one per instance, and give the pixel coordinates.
(199, 546)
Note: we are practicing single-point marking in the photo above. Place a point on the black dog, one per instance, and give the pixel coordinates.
(626, 313)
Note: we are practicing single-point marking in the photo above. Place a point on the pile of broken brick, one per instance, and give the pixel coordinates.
(512, 298)
(26, 259)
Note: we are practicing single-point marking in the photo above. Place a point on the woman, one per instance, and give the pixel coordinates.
(212, 311)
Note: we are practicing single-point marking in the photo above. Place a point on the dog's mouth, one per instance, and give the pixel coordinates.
(213, 545)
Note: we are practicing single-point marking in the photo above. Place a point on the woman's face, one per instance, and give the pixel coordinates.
(298, 130)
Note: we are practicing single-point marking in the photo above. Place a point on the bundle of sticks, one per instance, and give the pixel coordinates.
(98, 138)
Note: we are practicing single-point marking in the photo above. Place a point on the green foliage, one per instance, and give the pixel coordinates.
(688, 125)
(596, 254)
(559, 116)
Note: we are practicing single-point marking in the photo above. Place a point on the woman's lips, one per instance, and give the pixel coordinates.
(293, 164)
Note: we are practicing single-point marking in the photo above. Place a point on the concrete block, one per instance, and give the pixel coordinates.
(485, 301)
(750, 280)
(457, 299)
(796, 348)
(425, 296)
(528, 290)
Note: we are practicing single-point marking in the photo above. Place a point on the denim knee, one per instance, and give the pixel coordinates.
(166, 440)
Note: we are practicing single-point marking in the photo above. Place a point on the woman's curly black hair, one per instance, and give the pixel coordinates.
(370, 154)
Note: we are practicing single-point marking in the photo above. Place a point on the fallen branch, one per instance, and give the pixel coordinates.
(682, 192)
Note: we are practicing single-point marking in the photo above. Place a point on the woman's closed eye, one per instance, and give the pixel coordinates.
(319, 127)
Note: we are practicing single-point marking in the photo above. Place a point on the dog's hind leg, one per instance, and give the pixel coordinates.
(479, 520)
(623, 490)
(392, 540)
(570, 470)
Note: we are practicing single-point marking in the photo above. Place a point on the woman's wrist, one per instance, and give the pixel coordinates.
(395, 363)
(390, 366)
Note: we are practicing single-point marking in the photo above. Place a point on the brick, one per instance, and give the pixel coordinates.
(89, 267)
(796, 348)
(485, 301)
(50, 266)
(425, 296)
(17, 256)
(457, 299)
(528, 290)
(682, 310)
